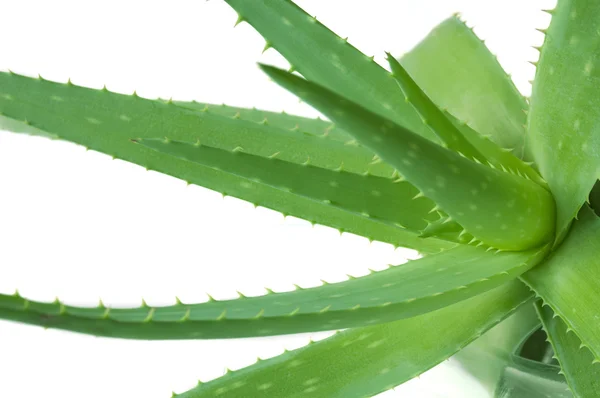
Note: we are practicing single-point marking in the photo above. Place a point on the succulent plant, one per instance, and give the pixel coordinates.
(441, 154)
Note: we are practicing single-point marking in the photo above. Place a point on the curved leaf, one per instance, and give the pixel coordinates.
(399, 292)
(564, 115)
(363, 362)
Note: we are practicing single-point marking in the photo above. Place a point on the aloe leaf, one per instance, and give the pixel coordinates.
(496, 156)
(343, 151)
(363, 362)
(529, 379)
(431, 115)
(457, 135)
(569, 280)
(21, 127)
(564, 127)
(105, 122)
(500, 209)
(583, 379)
(488, 356)
(317, 127)
(379, 198)
(327, 59)
(457, 71)
(399, 292)
(595, 198)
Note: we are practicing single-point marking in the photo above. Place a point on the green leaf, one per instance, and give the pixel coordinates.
(383, 199)
(569, 280)
(431, 115)
(457, 135)
(488, 356)
(564, 116)
(500, 209)
(344, 148)
(303, 125)
(325, 58)
(575, 361)
(498, 157)
(403, 291)
(22, 127)
(457, 71)
(105, 122)
(529, 379)
(363, 362)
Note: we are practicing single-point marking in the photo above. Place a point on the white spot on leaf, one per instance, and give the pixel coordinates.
(93, 120)
(264, 386)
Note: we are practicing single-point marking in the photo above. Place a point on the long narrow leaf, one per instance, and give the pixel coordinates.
(478, 197)
(105, 122)
(383, 199)
(496, 156)
(327, 59)
(451, 136)
(303, 125)
(399, 292)
(366, 361)
(458, 135)
(458, 72)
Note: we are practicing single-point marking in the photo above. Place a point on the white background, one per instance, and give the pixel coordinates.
(80, 226)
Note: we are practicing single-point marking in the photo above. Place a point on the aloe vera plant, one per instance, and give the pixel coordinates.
(440, 153)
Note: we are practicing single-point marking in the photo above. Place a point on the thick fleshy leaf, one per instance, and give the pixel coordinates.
(403, 291)
(500, 209)
(457, 71)
(363, 362)
(327, 59)
(431, 115)
(382, 199)
(496, 156)
(317, 127)
(569, 280)
(105, 122)
(457, 135)
(530, 379)
(582, 376)
(488, 356)
(564, 115)
(15, 126)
